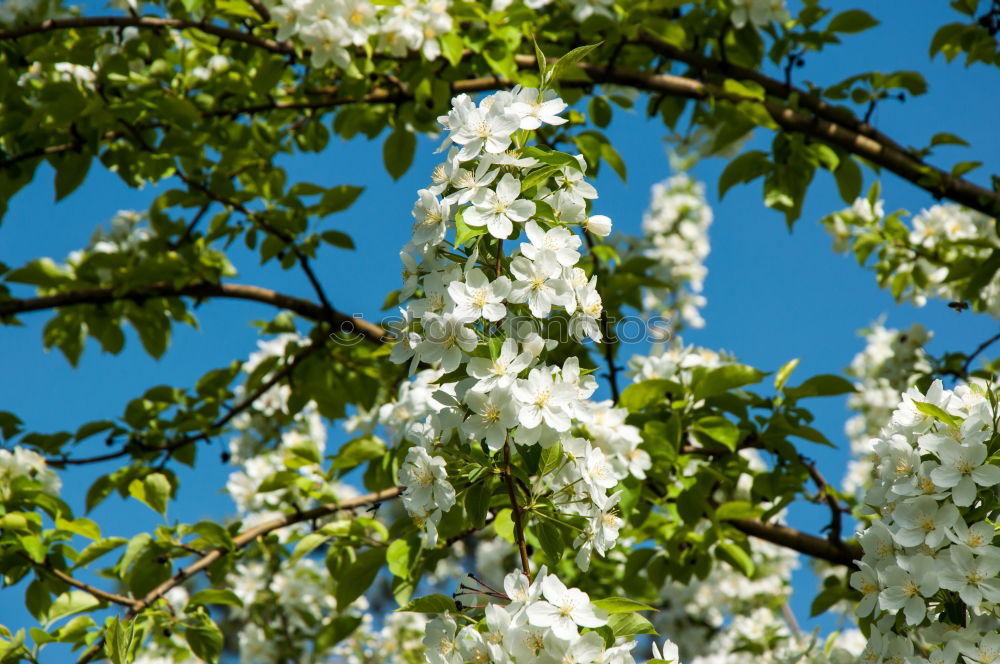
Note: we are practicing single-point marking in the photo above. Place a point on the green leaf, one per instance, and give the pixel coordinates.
(215, 596)
(938, 413)
(71, 171)
(736, 509)
(849, 179)
(944, 138)
(357, 451)
(736, 556)
(644, 394)
(398, 151)
(464, 232)
(307, 545)
(823, 385)
(851, 21)
(477, 502)
(550, 537)
(725, 378)
(153, 491)
(81, 526)
(204, 637)
(784, 372)
(563, 65)
(359, 575)
(73, 601)
(398, 558)
(41, 272)
(504, 525)
(118, 640)
(748, 166)
(338, 198)
(452, 47)
(719, 429)
(543, 67)
(338, 239)
(615, 605)
(431, 604)
(628, 624)
(97, 549)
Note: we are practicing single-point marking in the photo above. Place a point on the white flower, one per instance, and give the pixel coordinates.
(668, 653)
(471, 185)
(327, 43)
(922, 521)
(498, 210)
(444, 339)
(534, 111)
(432, 217)
(477, 298)
(599, 225)
(583, 650)
(557, 241)
(538, 283)
(488, 129)
(962, 468)
(426, 482)
(440, 641)
(501, 372)
(493, 415)
(906, 589)
(973, 577)
(564, 609)
(866, 581)
(543, 399)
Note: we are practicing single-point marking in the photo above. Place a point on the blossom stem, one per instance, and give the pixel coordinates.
(515, 509)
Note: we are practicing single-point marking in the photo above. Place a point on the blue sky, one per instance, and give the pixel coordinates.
(772, 295)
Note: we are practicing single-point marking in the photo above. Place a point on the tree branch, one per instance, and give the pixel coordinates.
(282, 48)
(825, 123)
(516, 513)
(188, 439)
(240, 541)
(790, 538)
(607, 337)
(102, 595)
(979, 349)
(305, 308)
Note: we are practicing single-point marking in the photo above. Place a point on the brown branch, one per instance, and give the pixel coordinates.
(304, 308)
(102, 595)
(210, 430)
(771, 86)
(240, 541)
(823, 493)
(823, 123)
(607, 337)
(151, 22)
(515, 508)
(790, 538)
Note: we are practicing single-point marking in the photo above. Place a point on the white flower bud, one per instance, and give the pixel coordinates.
(599, 225)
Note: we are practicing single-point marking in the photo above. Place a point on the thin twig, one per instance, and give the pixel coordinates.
(979, 349)
(102, 595)
(515, 508)
(240, 541)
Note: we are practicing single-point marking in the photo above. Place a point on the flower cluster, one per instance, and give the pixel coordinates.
(890, 363)
(916, 260)
(674, 362)
(479, 319)
(22, 462)
(541, 621)
(929, 575)
(675, 238)
(760, 13)
(332, 28)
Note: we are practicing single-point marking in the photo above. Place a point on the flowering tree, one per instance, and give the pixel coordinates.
(495, 511)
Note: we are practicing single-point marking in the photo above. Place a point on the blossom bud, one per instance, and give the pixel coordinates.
(599, 225)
